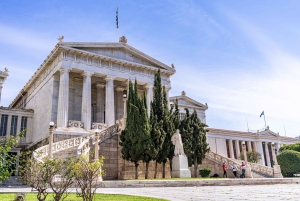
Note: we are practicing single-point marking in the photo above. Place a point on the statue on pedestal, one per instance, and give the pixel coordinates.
(180, 167)
(176, 140)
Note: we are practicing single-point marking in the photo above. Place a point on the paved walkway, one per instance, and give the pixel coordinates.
(213, 193)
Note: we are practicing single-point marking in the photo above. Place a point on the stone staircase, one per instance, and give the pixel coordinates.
(253, 170)
(74, 147)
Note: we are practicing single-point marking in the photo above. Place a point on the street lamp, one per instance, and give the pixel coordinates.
(97, 132)
(50, 139)
(124, 100)
(273, 153)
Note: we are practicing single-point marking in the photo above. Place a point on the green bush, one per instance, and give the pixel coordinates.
(289, 161)
(295, 147)
(205, 172)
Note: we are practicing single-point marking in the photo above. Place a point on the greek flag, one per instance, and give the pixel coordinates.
(117, 19)
(263, 113)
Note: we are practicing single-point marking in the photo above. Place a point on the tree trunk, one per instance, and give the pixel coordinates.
(147, 168)
(155, 170)
(171, 167)
(195, 167)
(136, 170)
(164, 170)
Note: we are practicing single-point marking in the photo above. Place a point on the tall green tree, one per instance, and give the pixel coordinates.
(169, 128)
(136, 136)
(186, 131)
(175, 118)
(158, 133)
(199, 143)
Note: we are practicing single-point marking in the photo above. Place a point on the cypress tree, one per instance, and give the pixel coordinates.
(156, 120)
(168, 126)
(174, 116)
(187, 131)
(199, 145)
(135, 137)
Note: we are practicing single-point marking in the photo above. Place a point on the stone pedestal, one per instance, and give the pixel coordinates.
(277, 171)
(180, 167)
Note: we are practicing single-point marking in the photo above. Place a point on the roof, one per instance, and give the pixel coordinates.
(74, 46)
(190, 100)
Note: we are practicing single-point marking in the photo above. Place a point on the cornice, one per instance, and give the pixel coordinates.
(205, 107)
(119, 61)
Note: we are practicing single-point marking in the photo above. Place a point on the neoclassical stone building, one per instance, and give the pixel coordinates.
(228, 143)
(82, 87)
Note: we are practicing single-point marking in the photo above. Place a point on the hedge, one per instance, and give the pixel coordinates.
(205, 172)
(289, 162)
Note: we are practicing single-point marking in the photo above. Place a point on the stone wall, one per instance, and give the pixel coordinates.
(41, 102)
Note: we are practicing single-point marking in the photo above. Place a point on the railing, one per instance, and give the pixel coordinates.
(89, 142)
(75, 124)
(220, 159)
(269, 171)
(99, 126)
(43, 151)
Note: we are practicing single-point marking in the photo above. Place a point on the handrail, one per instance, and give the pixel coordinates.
(87, 144)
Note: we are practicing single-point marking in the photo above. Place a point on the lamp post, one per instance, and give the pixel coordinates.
(50, 139)
(124, 100)
(244, 151)
(97, 132)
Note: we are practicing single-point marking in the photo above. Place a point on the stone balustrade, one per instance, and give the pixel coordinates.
(269, 171)
(75, 124)
(100, 126)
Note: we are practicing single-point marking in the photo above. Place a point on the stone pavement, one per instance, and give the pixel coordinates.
(213, 193)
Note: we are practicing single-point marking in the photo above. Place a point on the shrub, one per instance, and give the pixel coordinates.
(252, 156)
(289, 161)
(295, 147)
(205, 172)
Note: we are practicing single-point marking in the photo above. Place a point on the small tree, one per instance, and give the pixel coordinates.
(87, 176)
(295, 147)
(289, 161)
(205, 172)
(34, 174)
(7, 160)
(252, 156)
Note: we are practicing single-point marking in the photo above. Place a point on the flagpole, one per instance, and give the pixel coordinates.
(265, 120)
(247, 124)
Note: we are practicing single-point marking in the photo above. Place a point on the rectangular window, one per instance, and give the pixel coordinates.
(3, 126)
(24, 125)
(13, 127)
(181, 116)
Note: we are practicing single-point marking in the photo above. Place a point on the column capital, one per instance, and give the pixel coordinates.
(148, 86)
(62, 70)
(119, 88)
(100, 85)
(87, 74)
(109, 78)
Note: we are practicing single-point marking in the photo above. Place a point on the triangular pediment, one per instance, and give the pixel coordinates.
(185, 100)
(269, 133)
(119, 51)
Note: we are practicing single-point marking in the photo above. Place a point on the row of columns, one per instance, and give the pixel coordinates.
(63, 100)
(257, 146)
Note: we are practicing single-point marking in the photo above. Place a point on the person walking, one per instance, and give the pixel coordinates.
(243, 170)
(234, 169)
(224, 169)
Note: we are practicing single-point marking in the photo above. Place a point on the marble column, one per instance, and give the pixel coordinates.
(109, 101)
(168, 98)
(231, 149)
(277, 148)
(19, 124)
(100, 103)
(267, 154)
(119, 105)
(149, 97)
(249, 145)
(9, 117)
(261, 151)
(63, 99)
(237, 148)
(86, 109)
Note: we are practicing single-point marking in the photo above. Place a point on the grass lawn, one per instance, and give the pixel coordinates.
(72, 197)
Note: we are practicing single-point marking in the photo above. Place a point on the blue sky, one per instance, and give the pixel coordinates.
(239, 57)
